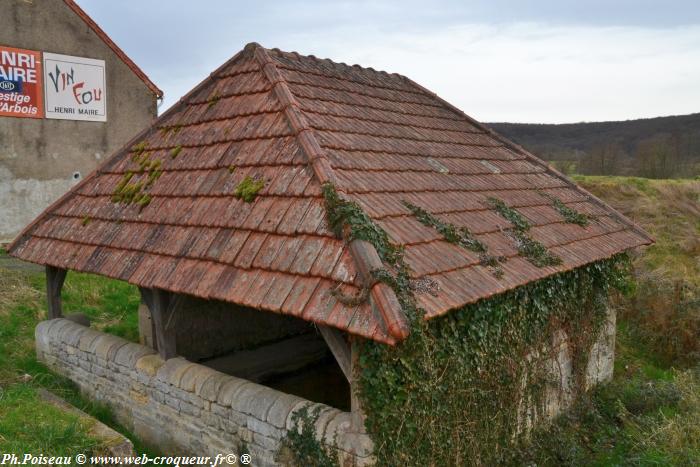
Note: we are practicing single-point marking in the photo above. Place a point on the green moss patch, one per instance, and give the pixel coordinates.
(248, 189)
(174, 152)
(133, 185)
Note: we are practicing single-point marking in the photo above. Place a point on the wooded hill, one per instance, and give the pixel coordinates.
(661, 147)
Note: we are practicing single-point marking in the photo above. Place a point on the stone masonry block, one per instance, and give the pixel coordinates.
(72, 333)
(54, 331)
(87, 338)
(106, 346)
(42, 333)
(358, 444)
(340, 424)
(229, 390)
(263, 401)
(128, 355)
(209, 390)
(265, 428)
(280, 410)
(247, 398)
(325, 415)
(165, 372)
(149, 364)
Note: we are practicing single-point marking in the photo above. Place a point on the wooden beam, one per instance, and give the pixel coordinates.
(163, 306)
(147, 335)
(340, 349)
(54, 283)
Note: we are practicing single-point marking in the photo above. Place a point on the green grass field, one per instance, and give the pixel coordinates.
(648, 415)
(27, 423)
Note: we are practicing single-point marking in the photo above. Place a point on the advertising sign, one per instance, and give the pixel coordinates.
(74, 88)
(20, 83)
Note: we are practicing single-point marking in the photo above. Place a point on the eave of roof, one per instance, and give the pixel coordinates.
(115, 48)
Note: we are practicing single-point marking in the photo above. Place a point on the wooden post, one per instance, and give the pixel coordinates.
(163, 306)
(54, 283)
(339, 347)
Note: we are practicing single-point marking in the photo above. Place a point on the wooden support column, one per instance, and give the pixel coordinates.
(163, 306)
(54, 283)
(340, 349)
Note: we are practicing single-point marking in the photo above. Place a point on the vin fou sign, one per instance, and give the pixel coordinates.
(74, 88)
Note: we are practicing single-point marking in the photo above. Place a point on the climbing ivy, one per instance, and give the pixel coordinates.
(343, 214)
(459, 236)
(510, 214)
(453, 393)
(528, 247)
(461, 388)
(570, 215)
(302, 444)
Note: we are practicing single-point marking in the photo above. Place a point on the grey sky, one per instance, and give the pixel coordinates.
(498, 60)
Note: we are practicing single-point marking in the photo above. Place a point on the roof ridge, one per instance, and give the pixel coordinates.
(112, 45)
(534, 159)
(382, 297)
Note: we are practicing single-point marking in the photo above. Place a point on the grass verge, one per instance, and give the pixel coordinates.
(27, 423)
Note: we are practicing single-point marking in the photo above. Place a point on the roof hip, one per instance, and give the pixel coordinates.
(382, 297)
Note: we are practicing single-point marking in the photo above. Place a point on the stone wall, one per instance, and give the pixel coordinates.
(561, 388)
(182, 407)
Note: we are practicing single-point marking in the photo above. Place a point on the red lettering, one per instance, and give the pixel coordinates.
(77, 87)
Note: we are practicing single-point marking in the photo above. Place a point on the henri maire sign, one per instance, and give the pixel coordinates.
(49, 85)
(75, 88)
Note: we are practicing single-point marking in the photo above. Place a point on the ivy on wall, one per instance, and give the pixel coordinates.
(301, 446)
(453, 392)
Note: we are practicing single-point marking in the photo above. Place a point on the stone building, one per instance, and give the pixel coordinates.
(42, 157)
(218, 213)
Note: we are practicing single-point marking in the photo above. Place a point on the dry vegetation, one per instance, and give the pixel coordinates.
(665, 310)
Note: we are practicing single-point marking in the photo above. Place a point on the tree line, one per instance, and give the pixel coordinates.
(664, 147)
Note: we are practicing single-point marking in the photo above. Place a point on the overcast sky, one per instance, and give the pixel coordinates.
(549, 61)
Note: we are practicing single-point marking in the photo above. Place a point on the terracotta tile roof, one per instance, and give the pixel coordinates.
(115, 48)
(297, 122)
